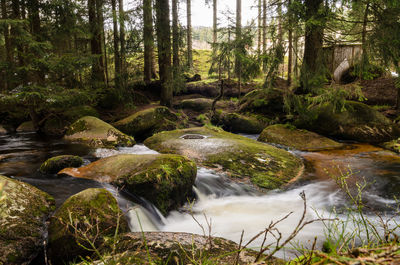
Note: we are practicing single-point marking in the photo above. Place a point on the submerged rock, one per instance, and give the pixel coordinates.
(145, 123)
(89, 217)
(238, 123)
(23, 212)
(298, 139)
(55, 164)
(26, 127)
(266, 166)
(164, 180)
(358, 122)
(97, 133)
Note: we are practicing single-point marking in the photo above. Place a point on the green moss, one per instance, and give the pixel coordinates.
(23, 212)
(95, 213)
(97, 133)
(266, 166)
(149, 121)
(55, 164)
(289, 136)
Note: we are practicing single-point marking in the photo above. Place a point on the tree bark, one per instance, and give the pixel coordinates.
(175, 36)
(189, 34)
(290, 48)
(148, 40)
(215, 22)
(364, 62)
(7, 45)
(313, 43)
(259, 32)
(124, 74)
(264, 34)
(239, 48)
(164, 51)
(117, 59)
(95, 43)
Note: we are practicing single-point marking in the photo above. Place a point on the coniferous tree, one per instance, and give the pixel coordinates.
(164, 51)
(189, 33)
(148, 40)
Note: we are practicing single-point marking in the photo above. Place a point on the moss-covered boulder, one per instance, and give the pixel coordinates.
(196, 104)
(266, 166)
(266, 102)
(23, 212)
(289, 136)
(358, 122)
(179, 248)
(164, 180)
(89, 217)
(97, 133)
(393, 145)
(26, 127)
(145, 123)
(57, 125)
(238, 123)
(55, 164)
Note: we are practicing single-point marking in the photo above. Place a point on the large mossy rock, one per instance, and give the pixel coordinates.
(261, 101)
(266, 166)
(55, 164)
(164, 180)
(238, 123)
(393, 145)
(295, 138)
(97, 133)
(23, 212)
(26, 127)
(145, 123)
(358, 122)
(89, 217)
(179, 248)
(200, 104)
(57, 125)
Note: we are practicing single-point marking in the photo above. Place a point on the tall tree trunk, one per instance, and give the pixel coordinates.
(124, 74)
(7, 45)
(189, 33)
(175, 36)
(239, 48)
(100, 18)
(117, 59)
(164, 51)
(296, 52)
(364, 61)
(215, 22)
(264, 34)
(313, 44)
(259, 31)
(290, 40)
(148, 40)
(95, 44)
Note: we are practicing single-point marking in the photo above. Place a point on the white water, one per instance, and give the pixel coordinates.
(231, 208)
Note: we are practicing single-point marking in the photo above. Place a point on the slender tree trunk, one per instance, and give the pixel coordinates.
(148, 40)
(124, 74)
(117, 59)
(189, 33)
(364, 62)
(164, 51)
(313, 44)
(259, 32)
(239, 48)
(264, 33)
(100, 17)
(215, 22)
(175, 36)
(290, 48)
(7, 41)
(95, 44)
(296, 52)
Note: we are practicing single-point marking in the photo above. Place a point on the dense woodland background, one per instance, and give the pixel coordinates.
(106, 53)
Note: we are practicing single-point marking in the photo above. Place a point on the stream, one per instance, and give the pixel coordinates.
(224, 206)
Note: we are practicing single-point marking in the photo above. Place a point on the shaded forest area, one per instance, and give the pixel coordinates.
(59, 54)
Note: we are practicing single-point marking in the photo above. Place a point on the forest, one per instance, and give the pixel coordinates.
(199, 132)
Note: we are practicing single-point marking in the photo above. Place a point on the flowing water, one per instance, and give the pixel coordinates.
(224, 206)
